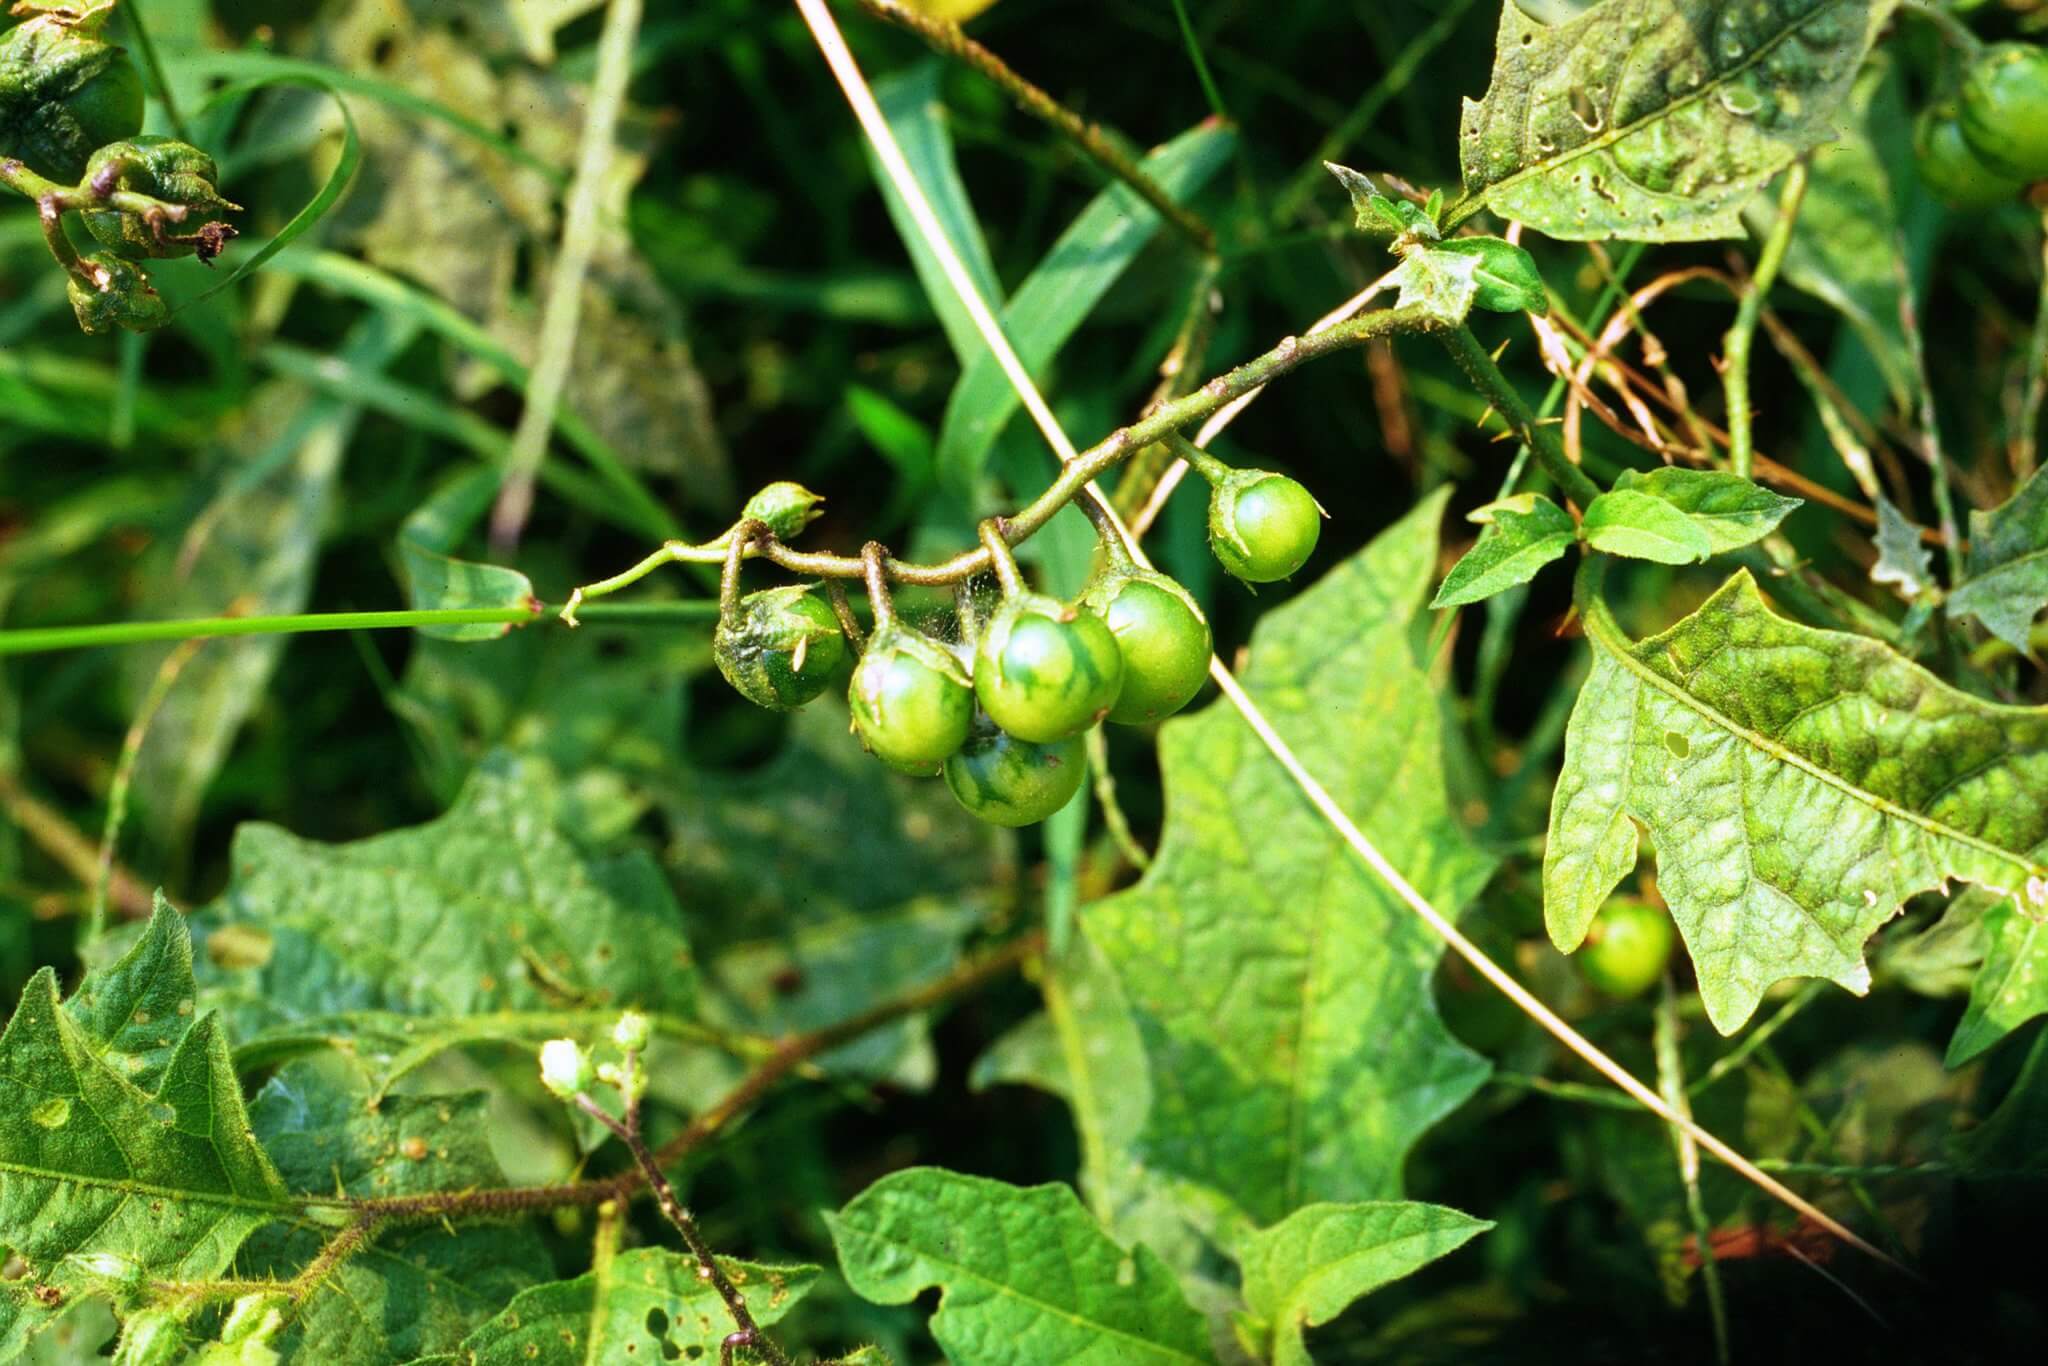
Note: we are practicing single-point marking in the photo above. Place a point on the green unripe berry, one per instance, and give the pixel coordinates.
(164, 169)
(2005, 109)
(1262, 526)
(1950, 168)
(912, 701)
(1163, 637)
(781, 648)
(1044, 670)
(1626, 948)
(785, 507)
(1008, 781)
(64, 92)
(115, 293)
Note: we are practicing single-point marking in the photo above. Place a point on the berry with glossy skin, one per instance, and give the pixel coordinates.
(912, 702)
(1262, 526)
(63, 93)
(166, 169)
(781, 649)
(1948, 166)
(2005, 109)
(1044, 670)
(1626, 948)
(1164, 640)
(1007, 781)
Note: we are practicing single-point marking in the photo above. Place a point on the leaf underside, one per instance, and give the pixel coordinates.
(1798, 784)
(1655, 120)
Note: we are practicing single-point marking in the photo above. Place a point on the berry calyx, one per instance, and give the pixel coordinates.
(1626, 948)
(780, 647)
(1262, 526)
(912, 701)
(1008, 781)
(1163, 637)
(1045, 670)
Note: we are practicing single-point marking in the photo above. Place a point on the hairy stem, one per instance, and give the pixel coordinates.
(944, 37)
(1735, 346)
(1541, 438)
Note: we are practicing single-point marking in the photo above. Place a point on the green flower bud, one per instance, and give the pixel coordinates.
(63, 92)
(115, 293)
(632, 1031)
(167, 170)
(565, 1068)
(787, 508)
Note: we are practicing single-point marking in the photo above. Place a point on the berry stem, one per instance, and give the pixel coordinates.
(874, 569)
(1199, 460)
(1000, 559)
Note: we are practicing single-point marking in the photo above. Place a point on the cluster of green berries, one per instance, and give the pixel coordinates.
(1990, 142)
(71, 108)
(1002, 713)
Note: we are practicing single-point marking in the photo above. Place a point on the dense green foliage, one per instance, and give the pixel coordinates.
(1565, 877)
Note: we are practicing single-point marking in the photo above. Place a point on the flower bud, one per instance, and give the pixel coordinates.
(632, 1031)
(787, 508)
(565, 1068)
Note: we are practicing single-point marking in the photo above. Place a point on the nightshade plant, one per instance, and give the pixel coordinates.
(1142, 905)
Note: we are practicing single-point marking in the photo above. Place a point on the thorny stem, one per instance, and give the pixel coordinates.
(1507, 400)
(944, 37)
(1736, 344)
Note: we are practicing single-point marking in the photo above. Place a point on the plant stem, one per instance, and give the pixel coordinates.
(1540, 437)
(1201, 63)
(1735, 346)
(1757, 1037)
(2025, 446)
(124, 775)
(1953, 29)
(945, 37)
(195, 628)
(131, 15)
(1930, 429)
(1671, 1083)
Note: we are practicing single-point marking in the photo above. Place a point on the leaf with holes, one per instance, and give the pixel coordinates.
(1799, 786)
(1025, 1275)
(125, 1149)
(1256, 944)
(1656, 120)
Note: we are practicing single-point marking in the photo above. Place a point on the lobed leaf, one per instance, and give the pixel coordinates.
(1655, 120)
(1903, 560)
(1025, 1275)
(2007, 565)
(1308, 1268)
(1799, 786)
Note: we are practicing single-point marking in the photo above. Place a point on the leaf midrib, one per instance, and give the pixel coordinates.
(1605, 633)
(1605, 140)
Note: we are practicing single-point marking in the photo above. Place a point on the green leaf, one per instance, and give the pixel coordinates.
(1508, 279)
(1377, 214)
(1255, 944)
(2011, 987)
(1903, 560)
(103, 1179)
(645, 1304)
(1799, 785)
(1057, 297)
(489, 908)
(2007, 566)
(435, 579)
(1523, 533)
(1731, 510)
(418, 1289)
(1025, 1275)
(910, 103)
(1305, 1270)
(1655, 120)
(1642, 526)
(2009, 1139)
(1444, 283)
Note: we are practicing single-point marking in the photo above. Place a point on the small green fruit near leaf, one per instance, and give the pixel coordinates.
(1045, 670)
(1948, 166)
(781, 648)
(2005, 109)
(785, 507)
(1164, 640)
(1625, 951)
(110, 292)
(63, 92)
(912, 701)
(1262, 526)
(164, 169)
(1008, 781)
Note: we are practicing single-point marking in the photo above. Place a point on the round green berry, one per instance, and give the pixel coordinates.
(912, 702)
(1008, 781)
(1949, 167)
(64, 92)
(781, 647)
(1164, 640)
(2005, 109)
(163, 169)
(1045, 670)
(1262, 526)
(1626, 948)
